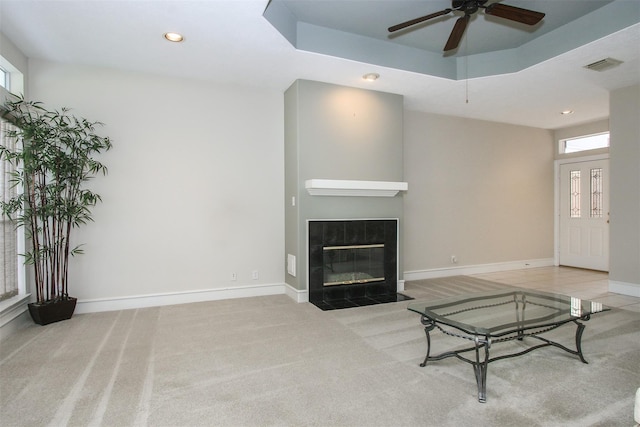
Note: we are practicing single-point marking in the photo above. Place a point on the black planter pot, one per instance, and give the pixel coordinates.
(54, 311)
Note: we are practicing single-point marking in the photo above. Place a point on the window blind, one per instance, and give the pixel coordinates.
(8, 232)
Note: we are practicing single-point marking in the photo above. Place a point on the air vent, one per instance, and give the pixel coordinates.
(603, 64)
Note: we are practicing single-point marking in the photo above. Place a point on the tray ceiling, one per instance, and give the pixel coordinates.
(357, 30)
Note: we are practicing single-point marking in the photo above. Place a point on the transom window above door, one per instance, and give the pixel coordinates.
(584, 143)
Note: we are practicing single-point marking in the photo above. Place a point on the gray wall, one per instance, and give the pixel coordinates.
(194, 193)
(625, 187)
(482, 191)
(337, 132)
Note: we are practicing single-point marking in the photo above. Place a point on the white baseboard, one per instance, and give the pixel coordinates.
(12, 308)
(477, 269)
(630, 289)
(14, 315)
(154, 300)
(296, 294)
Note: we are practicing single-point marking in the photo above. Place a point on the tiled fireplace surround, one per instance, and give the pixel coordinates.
(352, 232)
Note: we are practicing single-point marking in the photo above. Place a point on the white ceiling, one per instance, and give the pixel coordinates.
(231, 42)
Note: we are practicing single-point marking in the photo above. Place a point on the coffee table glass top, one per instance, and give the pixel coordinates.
(501, 312)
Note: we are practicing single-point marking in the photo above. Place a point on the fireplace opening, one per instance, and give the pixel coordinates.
(353, 263)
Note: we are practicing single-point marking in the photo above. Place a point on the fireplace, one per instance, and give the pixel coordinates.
(353, 263)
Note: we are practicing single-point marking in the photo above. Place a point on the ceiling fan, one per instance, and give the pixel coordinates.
(469, 7)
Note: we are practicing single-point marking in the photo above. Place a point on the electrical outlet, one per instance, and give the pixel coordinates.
(255, 275)
(454, 259)
(234, 277)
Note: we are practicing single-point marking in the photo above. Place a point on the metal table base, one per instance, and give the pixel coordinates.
(483, 343)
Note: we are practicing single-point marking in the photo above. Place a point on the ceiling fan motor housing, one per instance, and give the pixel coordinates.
(470, 6)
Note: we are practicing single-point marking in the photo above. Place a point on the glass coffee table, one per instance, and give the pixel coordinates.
(502, 315)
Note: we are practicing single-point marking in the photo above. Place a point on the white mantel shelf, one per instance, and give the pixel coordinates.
(339, 187)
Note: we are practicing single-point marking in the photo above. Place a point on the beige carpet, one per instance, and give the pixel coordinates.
(268, 361)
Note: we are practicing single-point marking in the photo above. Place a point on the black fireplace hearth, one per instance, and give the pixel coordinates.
(353, 263)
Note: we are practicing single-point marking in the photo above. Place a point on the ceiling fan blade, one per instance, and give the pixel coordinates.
(513, 13)
(457, 33)
(417, 20)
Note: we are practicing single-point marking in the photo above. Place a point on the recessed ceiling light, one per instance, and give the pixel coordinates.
(566, 112)
(174, 37)
(371, 77)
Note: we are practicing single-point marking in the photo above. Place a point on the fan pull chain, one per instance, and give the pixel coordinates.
(466, 66)
(467, 90)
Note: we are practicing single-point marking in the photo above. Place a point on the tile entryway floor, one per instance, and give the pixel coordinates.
(585, 284)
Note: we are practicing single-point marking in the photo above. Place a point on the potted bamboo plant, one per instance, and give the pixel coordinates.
(54, 160)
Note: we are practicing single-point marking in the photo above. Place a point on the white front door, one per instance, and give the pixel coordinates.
(584, 214)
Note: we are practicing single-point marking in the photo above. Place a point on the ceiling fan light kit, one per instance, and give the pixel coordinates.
(469, 7)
